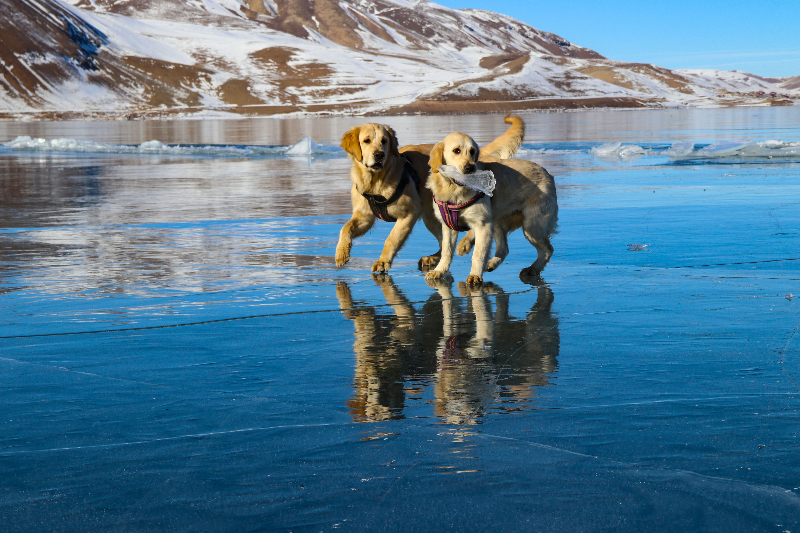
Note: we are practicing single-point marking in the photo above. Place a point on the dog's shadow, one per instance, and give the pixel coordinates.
(463, 354)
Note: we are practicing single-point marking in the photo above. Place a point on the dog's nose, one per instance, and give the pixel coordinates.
(469, 169)
(378, 156)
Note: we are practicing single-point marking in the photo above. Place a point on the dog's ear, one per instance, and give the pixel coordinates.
(350, 143)
(393, 148)
(435, 159)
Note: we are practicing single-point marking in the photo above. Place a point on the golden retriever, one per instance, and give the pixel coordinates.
(524, 196)
(383, 187)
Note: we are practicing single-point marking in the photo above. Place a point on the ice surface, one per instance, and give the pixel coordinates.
(181, 353)
(481, 180)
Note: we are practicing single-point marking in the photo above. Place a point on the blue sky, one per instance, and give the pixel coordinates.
(758, 37)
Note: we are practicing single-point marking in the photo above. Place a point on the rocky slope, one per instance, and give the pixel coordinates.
(179, 57)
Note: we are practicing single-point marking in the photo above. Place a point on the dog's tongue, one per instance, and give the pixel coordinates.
(481, 180)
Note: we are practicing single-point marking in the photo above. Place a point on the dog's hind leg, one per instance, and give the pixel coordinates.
(466, 243)
(539, 238)
(502, 228)
(357, 226)
(500, 248)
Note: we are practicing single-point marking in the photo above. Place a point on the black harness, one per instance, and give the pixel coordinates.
(380, 204)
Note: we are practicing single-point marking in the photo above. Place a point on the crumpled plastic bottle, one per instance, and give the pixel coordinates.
(480, 180)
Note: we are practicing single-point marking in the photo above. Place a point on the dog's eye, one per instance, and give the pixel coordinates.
(366, 141)
(472, 151)
(383, 141)
(456, 150)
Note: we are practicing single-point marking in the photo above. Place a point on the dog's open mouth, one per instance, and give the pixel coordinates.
(377, 165)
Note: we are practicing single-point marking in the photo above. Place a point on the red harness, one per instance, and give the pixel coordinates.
(450, 211)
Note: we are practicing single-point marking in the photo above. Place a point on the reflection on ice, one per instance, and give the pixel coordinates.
(469, 357)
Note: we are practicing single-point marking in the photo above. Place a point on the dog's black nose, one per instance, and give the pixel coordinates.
(378, 156)
(469, 169)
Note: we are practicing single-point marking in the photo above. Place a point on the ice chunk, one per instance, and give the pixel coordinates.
(630, 151)
(680, 149)
(616, 150)
(724, 148)
(305, 147)
(606, 150)
(153, 146)
(309, 146)
(481, 180)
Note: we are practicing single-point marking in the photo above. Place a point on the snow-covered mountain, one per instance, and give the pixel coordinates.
(166, 57)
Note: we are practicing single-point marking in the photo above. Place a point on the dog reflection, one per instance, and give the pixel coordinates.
(470, 357)
(381, 351)
(495, 361)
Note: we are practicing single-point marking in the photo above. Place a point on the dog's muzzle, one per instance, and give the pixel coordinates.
(377, 160)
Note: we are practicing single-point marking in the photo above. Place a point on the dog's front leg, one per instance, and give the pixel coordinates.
(357, 226)
(480, 257)
(449, 239)
(434, 225)
(396, 239)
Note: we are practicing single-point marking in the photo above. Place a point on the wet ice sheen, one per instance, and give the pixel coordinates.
(179, 353)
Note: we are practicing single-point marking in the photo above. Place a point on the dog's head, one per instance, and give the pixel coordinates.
(457, 150)
(371, 145)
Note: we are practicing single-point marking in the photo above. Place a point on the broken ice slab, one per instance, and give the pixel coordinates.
(724, 148)
(309, 146)
(480, 180)
(616, 150)
(680, 149)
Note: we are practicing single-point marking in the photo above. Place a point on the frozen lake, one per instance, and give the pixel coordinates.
(179, 352)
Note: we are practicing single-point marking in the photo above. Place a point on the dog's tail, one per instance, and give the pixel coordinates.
(507, 144)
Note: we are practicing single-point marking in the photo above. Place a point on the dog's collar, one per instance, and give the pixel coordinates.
(379, 204)
(450, 211)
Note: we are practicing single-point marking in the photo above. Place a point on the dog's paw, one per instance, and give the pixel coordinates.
(530, 275)
(438, 274)
(428, 262)
(465, 246)
(381, 267)
(342, 257)
(494, 262)
(435, 278)
(474, 281)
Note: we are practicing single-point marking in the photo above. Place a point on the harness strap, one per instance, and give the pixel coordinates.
(450, 211)
(379, 204)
